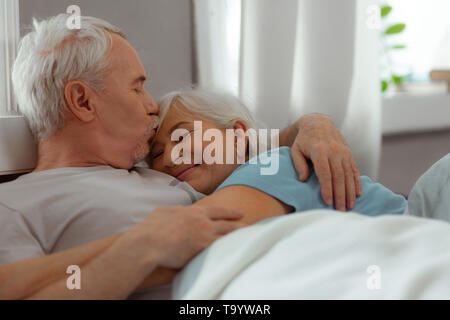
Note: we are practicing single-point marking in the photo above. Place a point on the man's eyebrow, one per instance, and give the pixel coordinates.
(139, 79)
(177, 125)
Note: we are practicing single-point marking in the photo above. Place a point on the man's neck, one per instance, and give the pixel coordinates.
(61, 151)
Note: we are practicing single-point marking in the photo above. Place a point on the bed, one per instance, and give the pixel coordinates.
(324, 254)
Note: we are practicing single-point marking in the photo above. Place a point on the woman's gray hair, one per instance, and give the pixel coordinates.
(220, 107)
(52, 55)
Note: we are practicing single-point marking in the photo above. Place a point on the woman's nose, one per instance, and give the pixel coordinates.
(172, 160)
(168, 163)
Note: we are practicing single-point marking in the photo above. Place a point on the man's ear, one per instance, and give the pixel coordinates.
(79, 100)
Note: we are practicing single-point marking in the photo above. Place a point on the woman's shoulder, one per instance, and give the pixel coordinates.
(268, 165)
(273, 173)
(275, 154)
(282, 151)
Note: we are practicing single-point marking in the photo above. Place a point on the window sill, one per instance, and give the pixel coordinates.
(18, 151)
(405, 113)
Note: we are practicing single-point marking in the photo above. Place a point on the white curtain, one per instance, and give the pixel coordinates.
(9, 37)
(287, 58)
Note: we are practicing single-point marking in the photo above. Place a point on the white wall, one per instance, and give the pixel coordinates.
(406, 157)
(160, 31)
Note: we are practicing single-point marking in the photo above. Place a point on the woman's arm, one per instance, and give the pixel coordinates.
(256, 205)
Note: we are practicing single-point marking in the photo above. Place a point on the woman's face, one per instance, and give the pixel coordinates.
(204, 178)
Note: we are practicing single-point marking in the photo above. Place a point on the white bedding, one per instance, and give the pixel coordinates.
(324, 254)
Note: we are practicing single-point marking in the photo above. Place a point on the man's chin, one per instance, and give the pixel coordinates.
(141, 153)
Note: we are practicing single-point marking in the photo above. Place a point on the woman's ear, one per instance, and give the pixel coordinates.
(240, 140)
(79, 100)
(240, 124)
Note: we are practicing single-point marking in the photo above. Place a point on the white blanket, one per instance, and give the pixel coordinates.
(324, 254)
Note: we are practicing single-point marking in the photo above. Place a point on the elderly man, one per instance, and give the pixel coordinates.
(82, 92)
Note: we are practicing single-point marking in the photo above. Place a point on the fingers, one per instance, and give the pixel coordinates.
(350, 186)
(219, 213)
(357, 178)
(225, 227)
(338, 185)
(323, 172)
(300, 163)
(339, 180)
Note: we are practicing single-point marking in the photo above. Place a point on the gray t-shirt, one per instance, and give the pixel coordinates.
(430, 196)
(50, 211)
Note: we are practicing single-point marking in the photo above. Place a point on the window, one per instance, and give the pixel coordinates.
(426, 39)
(17, 148)
(9, 36)
(414, 100)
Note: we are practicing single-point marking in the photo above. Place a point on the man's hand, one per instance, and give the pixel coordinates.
(317, 138)
(174, 235)
(169, 237)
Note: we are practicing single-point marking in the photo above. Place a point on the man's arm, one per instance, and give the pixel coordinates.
(315, 137)
(24, 278)
(112, 268)
(113, 274)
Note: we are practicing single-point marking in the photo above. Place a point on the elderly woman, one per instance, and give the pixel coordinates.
(271, 194)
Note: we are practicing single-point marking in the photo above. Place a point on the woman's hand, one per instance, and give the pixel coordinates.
(315, 137)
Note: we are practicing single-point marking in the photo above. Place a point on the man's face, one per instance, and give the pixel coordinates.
(126, 112)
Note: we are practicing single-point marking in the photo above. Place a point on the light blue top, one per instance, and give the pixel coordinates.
(285, 186)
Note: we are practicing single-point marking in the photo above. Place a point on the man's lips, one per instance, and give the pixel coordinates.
(181, 173)
(152, 133)
(153, 127)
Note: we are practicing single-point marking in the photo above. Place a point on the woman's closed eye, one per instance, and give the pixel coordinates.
(157, 155)
(186, 134)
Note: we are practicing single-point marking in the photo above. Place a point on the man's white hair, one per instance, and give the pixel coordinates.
(52, 55)
(221, 107)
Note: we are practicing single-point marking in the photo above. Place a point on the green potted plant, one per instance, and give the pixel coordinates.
(389, 76)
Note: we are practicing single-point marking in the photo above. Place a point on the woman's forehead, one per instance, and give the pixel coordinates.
(179, 113)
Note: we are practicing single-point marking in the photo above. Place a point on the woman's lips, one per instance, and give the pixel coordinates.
(183, 172)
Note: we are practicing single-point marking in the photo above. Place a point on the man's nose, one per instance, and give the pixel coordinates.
(151, 106)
